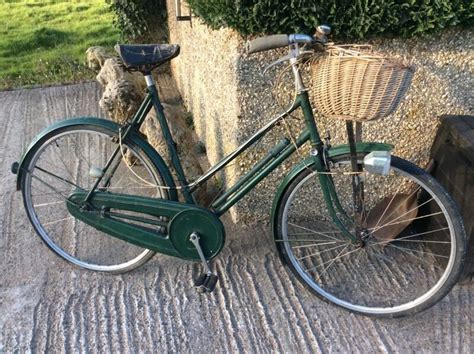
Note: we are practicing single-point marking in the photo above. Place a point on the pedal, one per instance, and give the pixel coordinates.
(207, 281)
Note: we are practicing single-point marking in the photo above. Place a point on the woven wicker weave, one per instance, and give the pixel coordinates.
(351, 82)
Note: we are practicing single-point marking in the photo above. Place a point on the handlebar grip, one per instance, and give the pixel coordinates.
(267, 42)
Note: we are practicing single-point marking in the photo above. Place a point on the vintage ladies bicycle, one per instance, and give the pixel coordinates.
(361, 228)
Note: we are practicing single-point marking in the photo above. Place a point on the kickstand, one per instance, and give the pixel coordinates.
(207, 281)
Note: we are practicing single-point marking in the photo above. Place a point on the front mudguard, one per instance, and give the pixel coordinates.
(308, 162)
(19, 168)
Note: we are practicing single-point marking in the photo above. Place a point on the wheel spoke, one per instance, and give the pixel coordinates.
(320, 252)
(324, 222)
(316, 244)
(390, 203)
(405, 238)
(417, 251)
(331, 262)
(404, 221)
(307, 240)
(431, 264)
(47, 204)
(424, 241)
(44, 193)
(59, 158)
(56, 221)
(400, 216)
(318, 279)
(51, 187)
(58, 177)
(313, 231)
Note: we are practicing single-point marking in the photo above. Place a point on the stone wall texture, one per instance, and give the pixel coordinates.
(230, 99)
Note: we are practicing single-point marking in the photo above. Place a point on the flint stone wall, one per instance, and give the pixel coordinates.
(230, 99)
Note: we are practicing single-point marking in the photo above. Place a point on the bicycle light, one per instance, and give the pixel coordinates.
(96, 172)
(378, 162)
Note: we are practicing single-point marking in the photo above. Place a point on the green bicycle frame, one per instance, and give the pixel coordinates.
(258, 172)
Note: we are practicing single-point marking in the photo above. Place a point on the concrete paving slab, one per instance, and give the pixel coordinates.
(48, 305)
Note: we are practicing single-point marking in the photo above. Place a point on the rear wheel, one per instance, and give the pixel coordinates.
(411, 239)
(70, 159)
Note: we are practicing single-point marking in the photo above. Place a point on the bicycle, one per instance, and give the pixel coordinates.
(90, 179)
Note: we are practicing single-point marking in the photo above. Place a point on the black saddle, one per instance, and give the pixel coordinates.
(146, 57)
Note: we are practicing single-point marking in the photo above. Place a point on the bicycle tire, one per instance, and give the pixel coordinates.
(382, 286)
(73, 240)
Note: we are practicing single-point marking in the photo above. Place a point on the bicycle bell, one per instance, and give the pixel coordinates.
(322, 31)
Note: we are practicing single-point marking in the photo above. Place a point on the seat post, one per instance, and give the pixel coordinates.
(149, 80)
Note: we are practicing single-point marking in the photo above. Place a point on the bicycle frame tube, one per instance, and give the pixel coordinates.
(256, 174)
(270, 161)
(173, 154)
(135, 123)
(262, 169)
(273, 159)
(252, 140)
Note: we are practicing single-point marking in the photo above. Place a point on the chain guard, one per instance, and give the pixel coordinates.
(172, 239)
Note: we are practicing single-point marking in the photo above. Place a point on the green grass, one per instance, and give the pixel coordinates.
(44, 42)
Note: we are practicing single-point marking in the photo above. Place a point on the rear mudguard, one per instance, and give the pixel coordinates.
(20, 167)
(308, 162)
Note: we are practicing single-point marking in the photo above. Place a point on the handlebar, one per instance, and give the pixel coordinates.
(281, 40)
(267, 42)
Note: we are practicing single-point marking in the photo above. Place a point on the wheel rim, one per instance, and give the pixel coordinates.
(344, 250)
(73, 240)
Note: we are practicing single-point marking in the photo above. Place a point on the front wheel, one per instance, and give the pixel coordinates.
(411, 240)
(69, 159)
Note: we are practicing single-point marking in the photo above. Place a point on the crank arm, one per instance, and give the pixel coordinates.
(194, 238)
(205, 282)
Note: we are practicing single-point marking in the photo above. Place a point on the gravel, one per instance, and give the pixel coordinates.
(442, 84)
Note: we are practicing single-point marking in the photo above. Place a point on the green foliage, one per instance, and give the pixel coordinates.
(134, 18)
(349, 19)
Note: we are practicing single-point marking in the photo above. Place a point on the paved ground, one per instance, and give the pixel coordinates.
(48, 305)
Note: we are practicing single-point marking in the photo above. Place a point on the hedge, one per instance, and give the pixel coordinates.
(349, 18)
(134, 18)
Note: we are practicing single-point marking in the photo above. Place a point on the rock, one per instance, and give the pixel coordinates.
(96, 56)
(123, 93)
(120, 100)
(113, 70)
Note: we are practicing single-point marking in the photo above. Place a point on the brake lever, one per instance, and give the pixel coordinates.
(276, 62)
(321, 48)
(285, 58)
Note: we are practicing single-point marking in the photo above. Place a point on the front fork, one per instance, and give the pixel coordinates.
(331, 197)
(334, 205)
(319, 151)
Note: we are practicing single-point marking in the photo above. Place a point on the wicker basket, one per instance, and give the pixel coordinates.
(351, 82)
